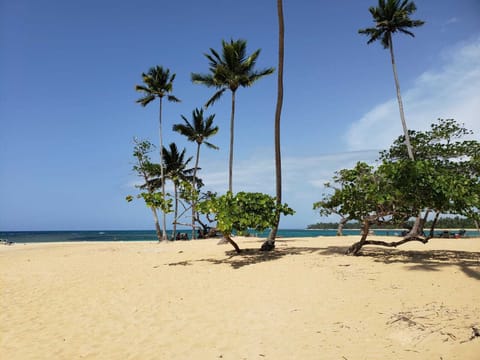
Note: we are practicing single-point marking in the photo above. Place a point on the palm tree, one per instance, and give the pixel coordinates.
(391, 16)
(230, 71)
(176, 170)
(197, 131)
(269, 244)
(158, 84)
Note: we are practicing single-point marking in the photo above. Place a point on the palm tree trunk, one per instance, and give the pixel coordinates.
(157, 225)
(162, 171)
(400, 103)
(230, 162)
(174, 234)
(270, 243)
(194, 185)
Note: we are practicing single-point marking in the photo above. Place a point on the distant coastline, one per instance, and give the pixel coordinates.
(149, 235)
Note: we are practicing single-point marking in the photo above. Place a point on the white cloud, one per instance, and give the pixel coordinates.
(451, 92)
(452, 20)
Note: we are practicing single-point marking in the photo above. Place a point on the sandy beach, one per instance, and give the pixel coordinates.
(200, 300)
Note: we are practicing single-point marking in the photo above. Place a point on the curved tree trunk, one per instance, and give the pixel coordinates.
(157, 225)
(175, 216)
(194, 185)
(434, 223)
(355, 248)
(400, 103)
(269, 244)
(162, 172)
(230, 161)
(233, 243)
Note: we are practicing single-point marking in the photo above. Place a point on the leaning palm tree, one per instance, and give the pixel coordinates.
(158, 84)
(176, 170)
(229, 71)
(197, 131)
(269, 244)
(391, 16)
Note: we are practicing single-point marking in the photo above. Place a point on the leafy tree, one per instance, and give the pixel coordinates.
(229, 71)
(158, 83)
(444, 180)
(269, 244)
(389, 17)
(451, 160)
(243, 211)
(147, 170)
(199, 130)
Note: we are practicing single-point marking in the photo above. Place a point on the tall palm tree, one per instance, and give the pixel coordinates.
(197, 131)
(176, 170)
(389, 17)
(269, 244)
(230, 70)
(158, 84)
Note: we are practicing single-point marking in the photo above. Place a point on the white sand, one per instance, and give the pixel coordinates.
(198, 300)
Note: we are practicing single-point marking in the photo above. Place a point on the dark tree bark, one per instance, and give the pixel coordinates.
(269, 244)
(233, 243)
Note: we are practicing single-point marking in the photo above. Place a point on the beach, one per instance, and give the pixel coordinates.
(200, 300)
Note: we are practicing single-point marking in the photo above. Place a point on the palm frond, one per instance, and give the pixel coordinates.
(215, 97)
(172, 98)
(210, 145)
(204, 79)
(145, 100)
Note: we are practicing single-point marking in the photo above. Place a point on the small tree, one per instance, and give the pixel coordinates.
(243, 211)
(147, 170)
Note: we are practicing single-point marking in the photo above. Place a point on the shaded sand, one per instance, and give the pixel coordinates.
(199, 300)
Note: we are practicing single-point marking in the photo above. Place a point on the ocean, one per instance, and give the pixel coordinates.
(149, 235)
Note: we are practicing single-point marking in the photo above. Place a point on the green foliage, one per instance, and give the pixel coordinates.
(148, 171)
(157, 201)
(199, 129)
(389, 17)
(230, 70)
(243, 211)
(158, 83)
(444, 178)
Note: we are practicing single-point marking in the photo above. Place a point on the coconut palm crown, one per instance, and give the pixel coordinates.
(199, 129)
(158, 84)
(230, 71)
(391, 16)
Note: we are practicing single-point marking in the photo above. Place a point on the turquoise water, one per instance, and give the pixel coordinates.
(147, 235)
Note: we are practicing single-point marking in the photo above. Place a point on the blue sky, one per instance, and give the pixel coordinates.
(68, 113)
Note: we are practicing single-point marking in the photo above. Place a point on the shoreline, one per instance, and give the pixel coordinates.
(197, 299)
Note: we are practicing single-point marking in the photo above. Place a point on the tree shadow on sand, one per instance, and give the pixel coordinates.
(432, 260)
(255, 256)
